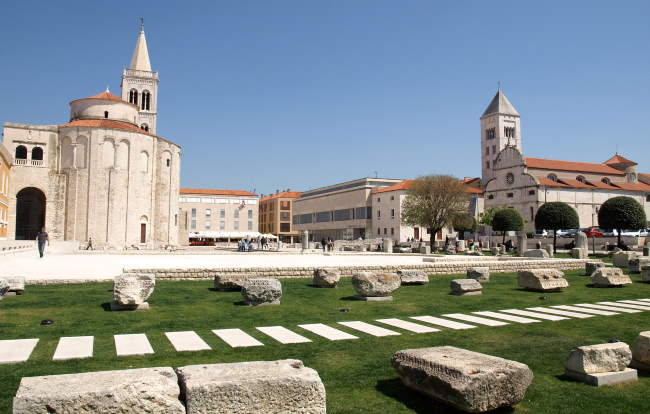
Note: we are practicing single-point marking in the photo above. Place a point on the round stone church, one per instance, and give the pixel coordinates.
(105, 175)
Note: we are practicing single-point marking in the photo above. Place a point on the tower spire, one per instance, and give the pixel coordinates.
(140, 59)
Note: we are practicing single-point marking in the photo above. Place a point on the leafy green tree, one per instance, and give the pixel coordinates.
(620, 213)
(554, 216)
(488, 215)
(507, 219)
(433, 201)
(463, 222)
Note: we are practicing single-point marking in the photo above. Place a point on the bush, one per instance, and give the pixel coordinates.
(621, 213)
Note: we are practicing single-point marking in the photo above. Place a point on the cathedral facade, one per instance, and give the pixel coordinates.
(104, 175)
(512, 180)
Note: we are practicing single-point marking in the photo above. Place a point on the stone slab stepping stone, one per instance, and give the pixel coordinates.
(475, 319)
(585, 310)
(635, 302)
(644, 300)
(327, 332)
(626, 305)
(368, 328)
(443, 322)
(505, 317)
(236, 338)
(16, 350)
(283, 335)
(562, 312)
(409, 326)
(187, 341)
(609, 308)
(132, 344)
(537, 315)
(74, 347)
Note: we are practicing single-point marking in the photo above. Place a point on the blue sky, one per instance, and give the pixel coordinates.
(270, 95)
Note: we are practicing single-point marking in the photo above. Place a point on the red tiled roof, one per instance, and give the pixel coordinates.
(576, 183)
(206, 191)
(564, 183)
(545, 164)
(106, 95)
(406, 184)
(644, 177)
(104, 123)
(638, 186)
(284, 194)
(619, 160)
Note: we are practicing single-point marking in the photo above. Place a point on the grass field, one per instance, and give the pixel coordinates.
(357, 374)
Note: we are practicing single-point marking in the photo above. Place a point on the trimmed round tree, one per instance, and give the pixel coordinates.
(620, 213)
(463, 222)
(556, 216)
(507, 219)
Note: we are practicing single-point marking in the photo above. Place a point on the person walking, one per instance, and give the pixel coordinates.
(41, 238)
(324, 244)
(90, 244)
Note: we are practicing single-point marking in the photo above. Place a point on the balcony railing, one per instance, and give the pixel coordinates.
(31, 163)
(19, 161)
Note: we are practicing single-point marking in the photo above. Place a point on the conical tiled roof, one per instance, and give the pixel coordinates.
(106, 95)
(500, 105)
(140, 59)
(619, 160)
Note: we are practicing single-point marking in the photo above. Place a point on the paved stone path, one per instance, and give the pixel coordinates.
(19, 350)
(74, 347)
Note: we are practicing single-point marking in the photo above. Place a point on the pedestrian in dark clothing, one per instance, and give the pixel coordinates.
(41, 238)
(323, 243)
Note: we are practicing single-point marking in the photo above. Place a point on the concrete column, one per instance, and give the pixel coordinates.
(304, 239)
(388, 245)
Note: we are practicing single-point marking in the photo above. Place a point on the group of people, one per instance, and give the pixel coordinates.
(327, 245)
(244, 245)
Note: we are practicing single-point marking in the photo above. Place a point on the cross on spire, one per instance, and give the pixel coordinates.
(142, 24)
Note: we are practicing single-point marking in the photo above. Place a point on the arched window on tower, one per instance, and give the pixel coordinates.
(105, 114)
(146, 100)
(21, 152)
(552, 177)
(133, 96)
(37, 153)
(145, 127)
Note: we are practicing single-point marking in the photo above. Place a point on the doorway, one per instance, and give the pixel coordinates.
(30, 213)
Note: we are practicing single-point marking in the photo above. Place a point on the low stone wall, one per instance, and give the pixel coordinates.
(437, 268)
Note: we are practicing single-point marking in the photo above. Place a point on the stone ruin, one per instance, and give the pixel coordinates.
(481, 274)
(622, 258)
(641, 352)
(231, 282)
(590, 267)
(326, 277)
(602, 364)
(609, 277)
(637, 262)
(4, 287)
(262, 291)
(542, 280)
(540, 253)
(645, 273)
(375, 286)
(579, 253)
(465, 287)
(467, 380)
(412, 277)
(131, 291)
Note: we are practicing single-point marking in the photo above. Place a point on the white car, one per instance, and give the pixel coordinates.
(635, 233)
(540, 234)
(610, 233)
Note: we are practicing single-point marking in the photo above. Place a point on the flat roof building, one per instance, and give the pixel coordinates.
(275, 214)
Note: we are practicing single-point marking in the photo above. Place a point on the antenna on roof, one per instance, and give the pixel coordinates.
(142, 24)
(498, 85)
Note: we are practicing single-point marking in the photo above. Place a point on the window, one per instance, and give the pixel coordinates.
(323, 216)
(532, 214)
(169, 162)
(494, 149)
(392, 231)
(236, 225)
(250, 214)
(133, 96)
(552, 177)
(175, 219)
(208, 212)
(580, 178)
(222, 225)
(487, 150)
(37, 153)
(208, 225)
(531, 192)
(647, 198)
(385, 230)
(342, 215)
(236, 213)
(105, 114)
(606, 181)
(490, 197)
(368, 212)
(378, 230)
(193, 213)
(145, 127)
(392, 213)
(21, 152)
(510, 195)
(487, 164)
(490, 133)
(222, 213)
(193, 224)
(250, 226)
(285, 227)
(285, 205)
(378, 199)
(510, 178)
(146, 100)
(392, 198)
(378, 213)
(509, 132)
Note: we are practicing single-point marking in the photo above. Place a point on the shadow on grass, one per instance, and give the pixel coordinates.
(213, 289)
(106, 306)
(419, 403)
(592, 286)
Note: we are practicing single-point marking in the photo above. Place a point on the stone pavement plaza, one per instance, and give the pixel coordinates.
(97, 266)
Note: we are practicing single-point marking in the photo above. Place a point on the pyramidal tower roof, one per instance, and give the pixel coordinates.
(500, 105)
(140, 59)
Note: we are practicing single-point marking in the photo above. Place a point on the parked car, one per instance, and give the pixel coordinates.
(567, 233)
(610, 233)
(540, 234)
(594, 232)
(635, 233)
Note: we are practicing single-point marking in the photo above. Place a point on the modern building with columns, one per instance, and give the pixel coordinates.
(104, 175)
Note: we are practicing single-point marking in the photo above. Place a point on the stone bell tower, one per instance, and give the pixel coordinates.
(500, 127)
(140, 84)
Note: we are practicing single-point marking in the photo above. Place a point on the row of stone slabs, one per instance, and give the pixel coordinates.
(77, 347)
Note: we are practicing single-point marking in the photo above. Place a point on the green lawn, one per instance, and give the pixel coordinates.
(357, 373)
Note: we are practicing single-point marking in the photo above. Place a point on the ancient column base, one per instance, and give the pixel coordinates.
(604, 378)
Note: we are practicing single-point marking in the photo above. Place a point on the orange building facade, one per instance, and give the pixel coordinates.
(275, 214)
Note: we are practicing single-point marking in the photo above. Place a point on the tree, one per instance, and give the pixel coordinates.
(463, 222)
(507, 219)
(621, 213)
(488, 215)
(555, 216)
(432, 202)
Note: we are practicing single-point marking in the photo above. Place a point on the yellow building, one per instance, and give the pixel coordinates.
(5, 167)
(275, 215)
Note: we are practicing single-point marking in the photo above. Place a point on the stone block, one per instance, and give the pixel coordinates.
(481, 274)
(536, 253)
(269, 387)
(641, 348)
(425, 249)
(133, 289)
(494, 250)
(581, 240)
(412, 277)
(609, 276)
(645, 273)
(4, 287)
(605, 378)
(590, 267)
(146, 390)
(579, 253)
(622, 258)
(375, 284)
(262, 291)
(637, 262)
(230, 281)
(549, 250)
(542, 280)
(326, 277)
(16, 283)
(462, 287)
(593, 359)
(469, 381)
